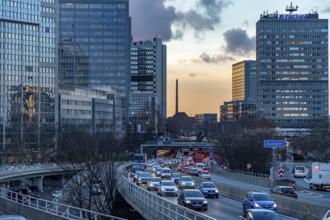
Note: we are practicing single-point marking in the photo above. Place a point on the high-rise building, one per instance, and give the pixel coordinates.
(95, 39)
(244, 80)
(28, 64)
(148, 84)
(292, 68)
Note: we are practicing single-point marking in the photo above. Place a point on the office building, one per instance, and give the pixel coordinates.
(292, 69)
(238, 109)
(148, 85)
(28, 69)
(95, 39)
(244, 80)
(87, 108)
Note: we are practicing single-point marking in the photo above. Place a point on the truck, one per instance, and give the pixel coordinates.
(320, 176)
(135, 166)
(140, 158)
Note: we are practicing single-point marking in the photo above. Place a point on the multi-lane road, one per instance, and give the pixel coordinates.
(224, 208)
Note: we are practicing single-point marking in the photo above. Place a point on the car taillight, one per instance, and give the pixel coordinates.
(295, 192)
(281, 193)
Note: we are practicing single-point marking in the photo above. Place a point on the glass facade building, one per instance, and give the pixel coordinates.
(244, 80)
(28, 64)
(148, 84)
(292, 69)
(95, 41)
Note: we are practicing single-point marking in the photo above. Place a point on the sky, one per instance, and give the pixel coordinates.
(204, 38)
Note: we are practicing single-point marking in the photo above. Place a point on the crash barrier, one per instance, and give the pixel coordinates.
(253, 179)
(34, 208)
(151, 206)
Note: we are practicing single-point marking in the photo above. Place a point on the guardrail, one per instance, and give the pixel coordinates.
(47, 208)
(152, 206)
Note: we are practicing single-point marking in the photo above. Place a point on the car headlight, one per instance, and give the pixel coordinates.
(205, 191)
(256, 205)
(193, 184)
(216, 191)
(205, 202)
(163, 188)
(188, 201)
(150, 184)
(275, 205)
(183, 183)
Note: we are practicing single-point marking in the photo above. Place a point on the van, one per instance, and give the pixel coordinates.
(166, 173)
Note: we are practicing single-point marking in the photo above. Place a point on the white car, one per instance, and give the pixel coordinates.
(166, 173)
(167, 187)
(205, 175)
(327, 215)
(300, 171)
(12, 217)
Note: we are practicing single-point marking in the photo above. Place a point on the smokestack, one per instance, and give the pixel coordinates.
(177, 97)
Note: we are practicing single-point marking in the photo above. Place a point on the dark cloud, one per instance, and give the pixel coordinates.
(192, 75)
(206, 58)
(152, 17)
(238, 42)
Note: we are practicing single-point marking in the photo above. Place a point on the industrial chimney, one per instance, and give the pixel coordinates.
(176, 97)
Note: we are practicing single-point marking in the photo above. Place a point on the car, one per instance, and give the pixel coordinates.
(205, 175)
(143, 178)
(153, 183)
(167, 187)
(12, 217)
(166, 173)
(96, 189)
(136, 175)
(185, 169)
(209, 189)
(193, 171)
(186, 182)
(326, 215)
(56, 194)
(300, 171)
(192, 198)
(176, 177)
(155, 167)
(159, 171)
(258, 200)
(285, 191)
(255, 214)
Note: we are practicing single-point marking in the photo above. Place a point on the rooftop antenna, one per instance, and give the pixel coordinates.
(291, 8)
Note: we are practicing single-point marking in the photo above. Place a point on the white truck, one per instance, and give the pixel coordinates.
(320, 176)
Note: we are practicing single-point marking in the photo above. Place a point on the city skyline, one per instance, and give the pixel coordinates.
(204, 39)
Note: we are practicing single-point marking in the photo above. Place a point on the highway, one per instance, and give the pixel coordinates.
(221, 208)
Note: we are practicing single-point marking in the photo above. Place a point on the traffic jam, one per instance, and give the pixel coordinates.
(175, 178)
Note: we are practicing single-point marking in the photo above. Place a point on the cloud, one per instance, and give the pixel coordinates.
(238, 42)
(154, 17)
(326, 10)
(206, 58)
(192, 75)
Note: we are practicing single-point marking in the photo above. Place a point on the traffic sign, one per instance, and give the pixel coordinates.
(274, 143)
(280, 172)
